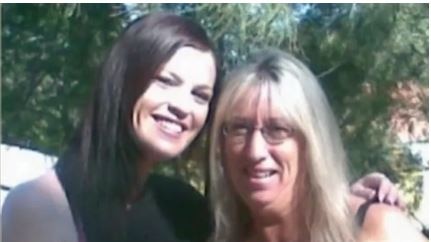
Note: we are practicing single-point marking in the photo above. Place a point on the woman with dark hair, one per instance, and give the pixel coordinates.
(152, 99)
(149, 104)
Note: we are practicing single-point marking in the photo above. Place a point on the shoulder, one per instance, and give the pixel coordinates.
(388, 223)
(30, 196)
(384, 216)
(36, 211)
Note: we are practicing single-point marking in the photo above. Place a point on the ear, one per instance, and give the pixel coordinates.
(135, 116)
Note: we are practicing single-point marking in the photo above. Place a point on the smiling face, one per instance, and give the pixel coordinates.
(263, 173)
(172, 111)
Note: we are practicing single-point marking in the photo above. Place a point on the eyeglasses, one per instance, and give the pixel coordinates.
(239, 132)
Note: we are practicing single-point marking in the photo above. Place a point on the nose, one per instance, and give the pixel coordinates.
(177, 111)
(180, 105)
(257, 149)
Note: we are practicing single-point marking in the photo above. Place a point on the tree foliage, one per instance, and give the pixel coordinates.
(364, 51)
(50, 53)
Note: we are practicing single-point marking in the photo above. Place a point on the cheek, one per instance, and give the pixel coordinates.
(290, 157)
(151, 98)
(301, 156)
(299, 165)
(138, 112)
(303, 165)
(231, 163)
(145, 102)
(200, 116)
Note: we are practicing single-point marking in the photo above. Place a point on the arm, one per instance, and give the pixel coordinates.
(20, 216)
(37, 211)
(383, 223)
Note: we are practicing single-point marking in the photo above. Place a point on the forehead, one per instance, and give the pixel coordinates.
(192, 64)
(257, 102)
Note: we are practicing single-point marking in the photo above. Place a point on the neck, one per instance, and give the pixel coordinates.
(144, 170)
(289, 228)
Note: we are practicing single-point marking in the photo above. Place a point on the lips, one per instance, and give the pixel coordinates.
(260, 178)
(169, 125)
(260, 174)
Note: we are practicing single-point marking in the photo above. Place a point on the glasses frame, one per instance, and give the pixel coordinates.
(264, 130)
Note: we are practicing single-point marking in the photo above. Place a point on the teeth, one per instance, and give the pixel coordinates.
(170, 126)
(261, 174)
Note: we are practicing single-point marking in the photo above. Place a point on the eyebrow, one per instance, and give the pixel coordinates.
(277, 120)
(176, 77)
(266, 120)
(241, 119)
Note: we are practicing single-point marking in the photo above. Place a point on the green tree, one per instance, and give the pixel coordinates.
(363, 52)
(49, 58)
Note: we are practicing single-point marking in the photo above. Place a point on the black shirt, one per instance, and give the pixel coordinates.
(169, 210)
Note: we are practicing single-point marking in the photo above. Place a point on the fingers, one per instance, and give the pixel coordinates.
(402, 205)
(363, 192)
(381, 185)
(374, 180)
(386, 191)
(376, 186)
(399, 202)
(367, 186)
(390, 196)
(394, 198)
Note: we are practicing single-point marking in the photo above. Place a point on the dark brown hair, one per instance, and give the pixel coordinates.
(99, 169)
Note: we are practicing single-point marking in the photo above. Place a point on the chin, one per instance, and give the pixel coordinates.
(162, 150)
(260, 200)
(169, 153)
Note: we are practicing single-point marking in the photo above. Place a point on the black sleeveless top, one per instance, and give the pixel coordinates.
(170, 211)
(362, 211)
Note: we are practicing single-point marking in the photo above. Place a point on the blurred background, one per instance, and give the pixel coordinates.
(372, 60)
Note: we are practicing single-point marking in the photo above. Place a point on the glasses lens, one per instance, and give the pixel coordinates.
(239, 131)
(277, 134)
(236, 131)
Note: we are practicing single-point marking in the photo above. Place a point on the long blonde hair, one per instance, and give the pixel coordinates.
(297, 91)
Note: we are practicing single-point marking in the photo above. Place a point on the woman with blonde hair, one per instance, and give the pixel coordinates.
(278, 168)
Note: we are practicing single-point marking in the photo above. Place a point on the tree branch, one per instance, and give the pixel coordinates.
(330, 70)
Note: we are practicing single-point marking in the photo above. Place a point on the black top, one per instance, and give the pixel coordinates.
(169, 210)
(362, 211)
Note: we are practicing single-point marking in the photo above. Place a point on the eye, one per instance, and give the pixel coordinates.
(166, 81)
(279, 132)
(237, 129)
(202, 97)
